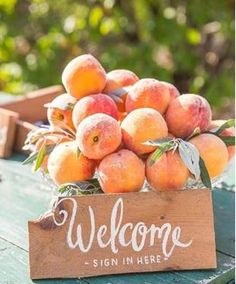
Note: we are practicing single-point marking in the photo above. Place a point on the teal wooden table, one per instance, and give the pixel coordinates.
(23, 196)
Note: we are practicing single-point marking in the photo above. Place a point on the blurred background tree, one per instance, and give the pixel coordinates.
(188, 43)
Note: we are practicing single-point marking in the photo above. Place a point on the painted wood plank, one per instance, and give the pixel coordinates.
(223, 274)
(23, 196)
(224, 215)
(14, 267)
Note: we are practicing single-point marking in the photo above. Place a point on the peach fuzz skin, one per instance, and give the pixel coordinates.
(148, 93)
(120, 172)
(174, 93)
(64, 164)
(89, 105)
(117, 79)
(168, 173)
(227, 132)
(213, 151)
(187, 112)
(98, 135)
(84, 76)
(141, 125)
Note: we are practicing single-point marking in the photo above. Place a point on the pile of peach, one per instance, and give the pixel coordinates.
(104, 119)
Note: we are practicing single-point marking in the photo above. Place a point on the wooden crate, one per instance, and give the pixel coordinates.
(124, 233)
(19, 116)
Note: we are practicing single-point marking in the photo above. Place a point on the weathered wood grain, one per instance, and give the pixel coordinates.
(54, 252)
(30, 107)
(8, 121)
(224, 212)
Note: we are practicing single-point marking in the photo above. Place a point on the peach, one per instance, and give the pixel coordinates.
(167, 173)
(98, 135)
(213, 151)
(49, 140)
(148, 93)
(141, 125)
(84, 76)
(187, 112)
(174, 93)
(65, 164)
(122, 171)
(227, 132)
(89, 105)
(117, 79)
(59, 111)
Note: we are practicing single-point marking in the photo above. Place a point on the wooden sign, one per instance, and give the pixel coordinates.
(124, 233)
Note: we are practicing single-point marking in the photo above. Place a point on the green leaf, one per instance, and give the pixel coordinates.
(116, 98)
(156, 155)
(196, 132)
(228, 140)
(158, 142)
(205, 178)
(159, 151)
(190, 156)
(40, 157)
(32, 157)
(229, 123)
(91, 186)
(77, 152)
(119, 92)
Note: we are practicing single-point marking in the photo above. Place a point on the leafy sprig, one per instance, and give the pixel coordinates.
(86, 187)
(228, 140)
(188, 153)
(228, 124)
(38, 156)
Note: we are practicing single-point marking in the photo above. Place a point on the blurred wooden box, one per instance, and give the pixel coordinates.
(19, 117)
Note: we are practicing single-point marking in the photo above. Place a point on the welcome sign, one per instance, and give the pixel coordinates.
(124, 233)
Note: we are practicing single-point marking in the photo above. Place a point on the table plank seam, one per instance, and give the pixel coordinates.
(225, 253)
(4, 239)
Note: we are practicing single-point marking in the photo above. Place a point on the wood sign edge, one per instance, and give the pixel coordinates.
(33, 241)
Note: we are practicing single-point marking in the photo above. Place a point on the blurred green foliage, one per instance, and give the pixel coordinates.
(188, 43)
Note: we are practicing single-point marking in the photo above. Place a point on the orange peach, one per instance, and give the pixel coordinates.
(84, 76)
(141, 125)
(122, 171)
(49, 140)
(98, 135)
(119, 78)
(174, 93)
(65, 164)
(187, 112)
(148, 93)
(59, 111)
(213, 151)
(116, 79)
(168, 173)
(227, 132)
(89, 105)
